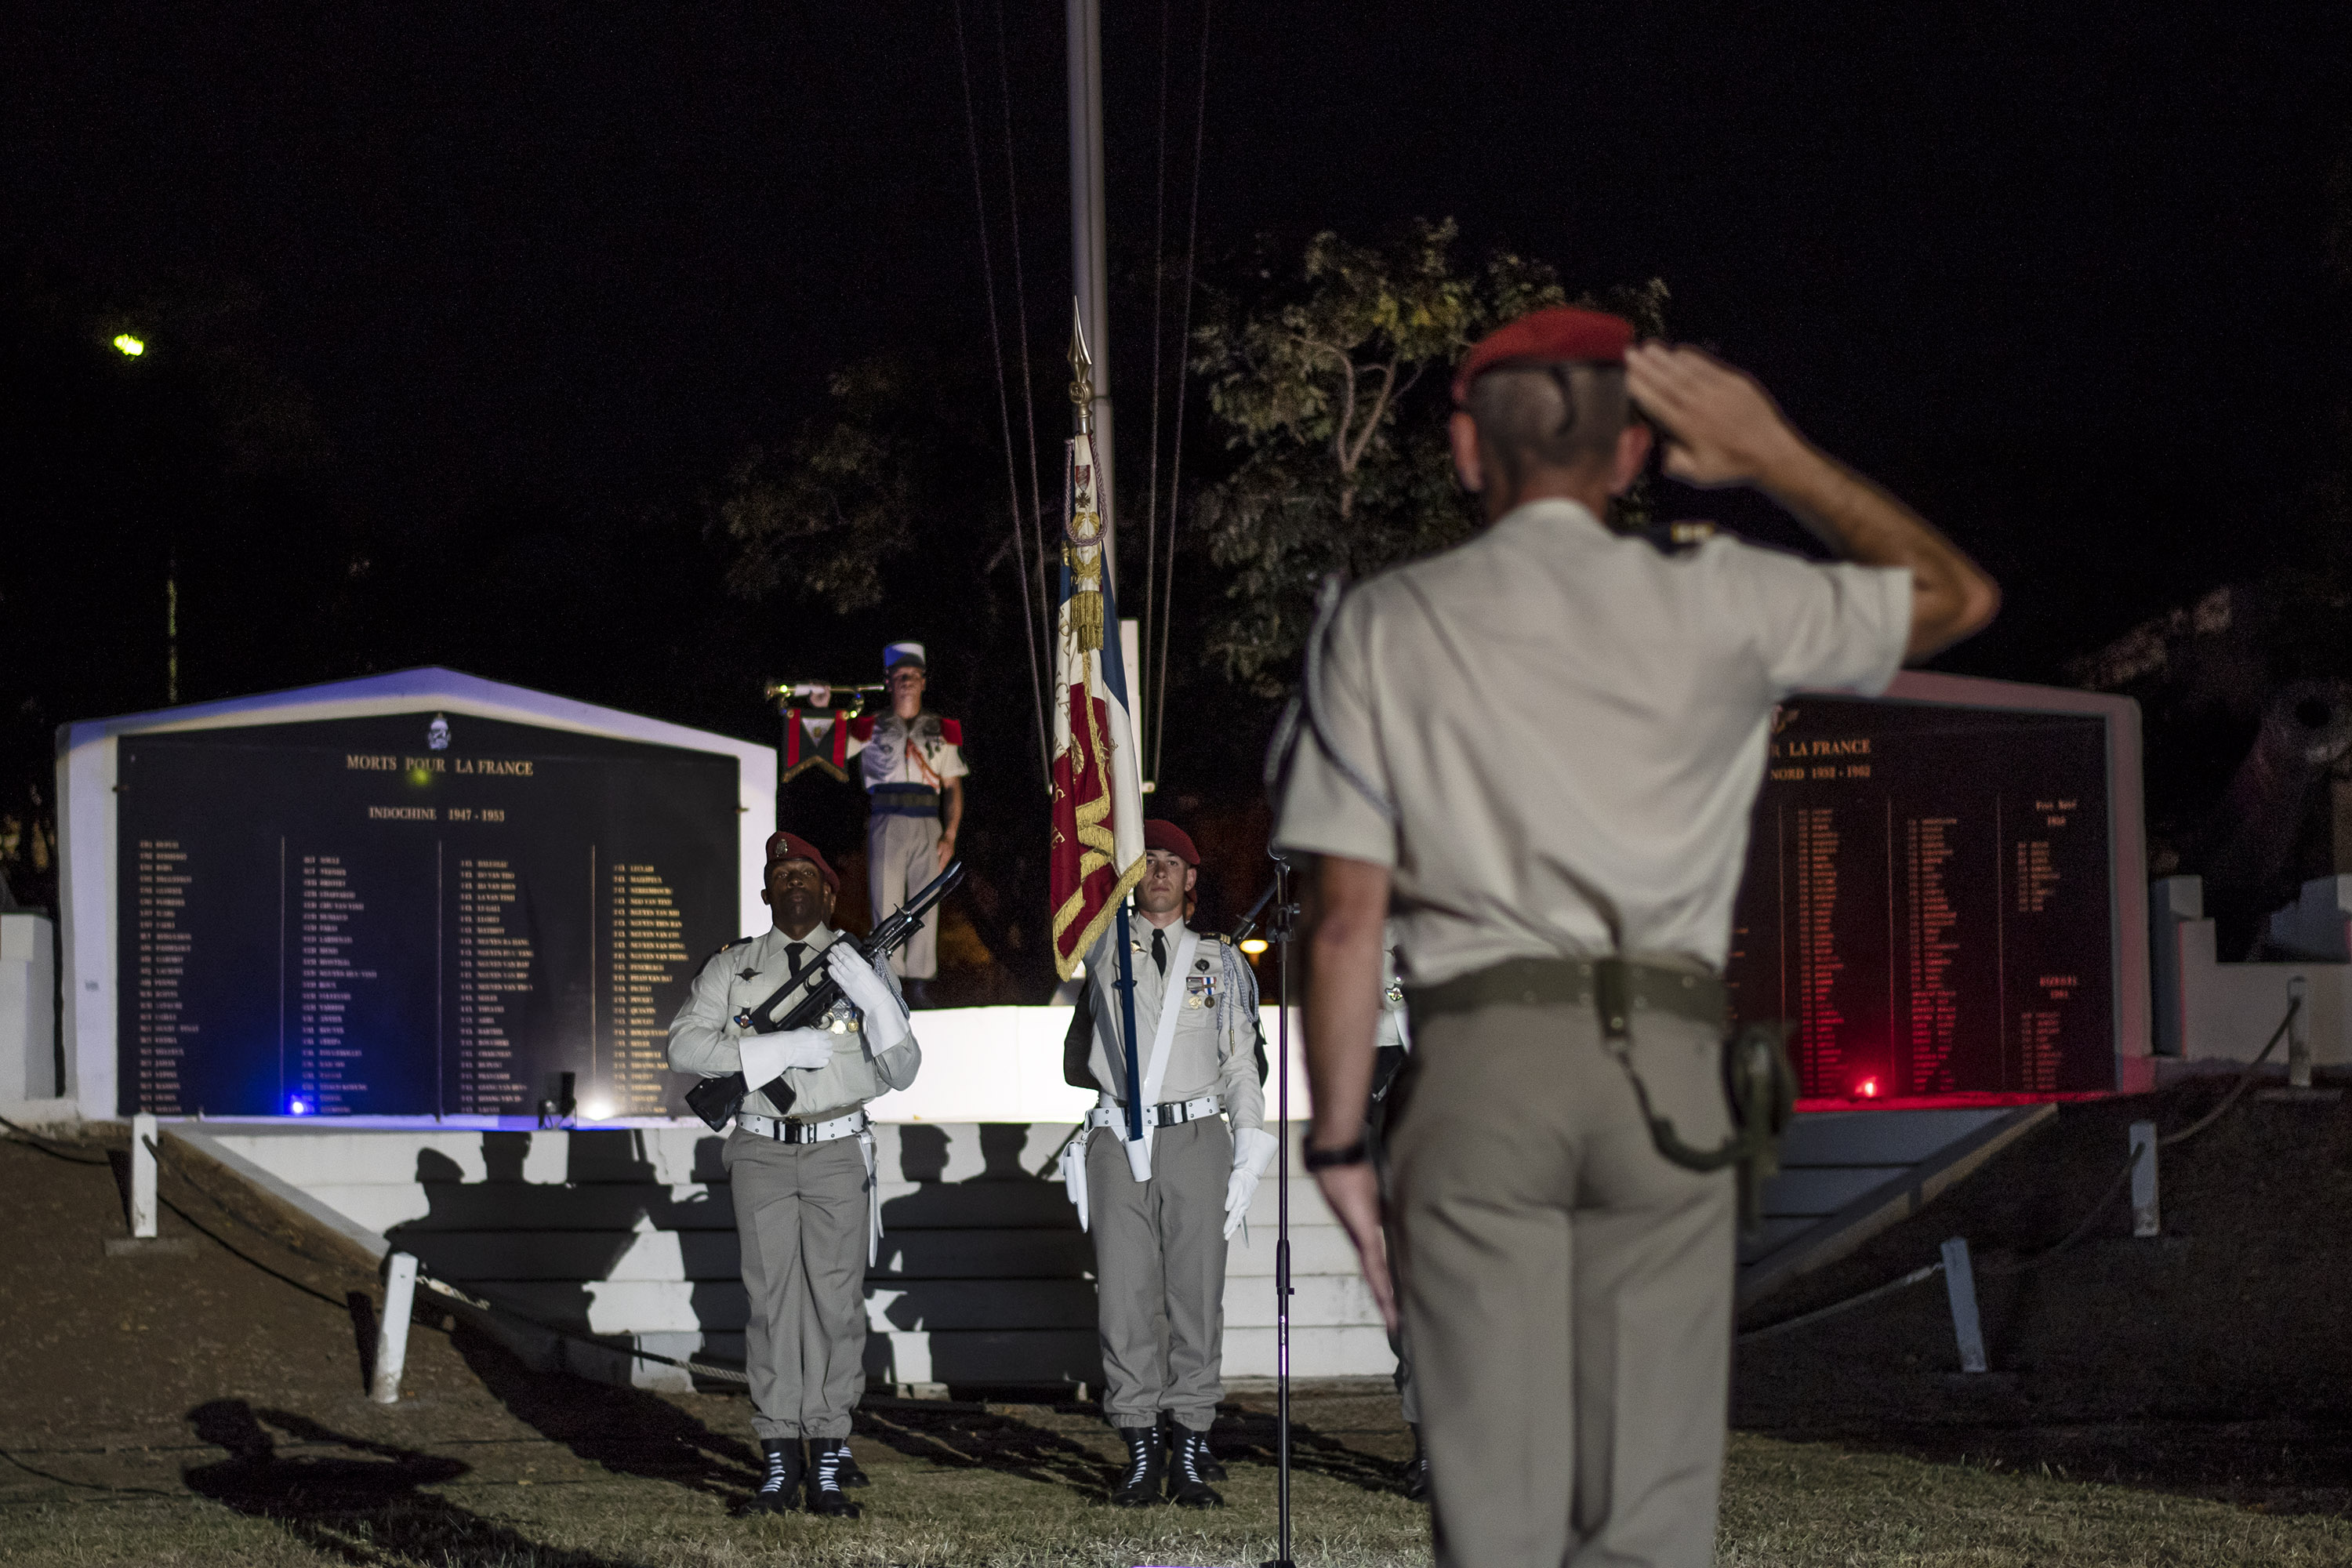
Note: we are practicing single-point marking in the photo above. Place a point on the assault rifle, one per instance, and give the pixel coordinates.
(716, 1100)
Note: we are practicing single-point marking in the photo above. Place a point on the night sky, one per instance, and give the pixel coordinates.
(2055, 273)
(2056, 270)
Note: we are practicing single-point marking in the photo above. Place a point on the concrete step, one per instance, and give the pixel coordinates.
(576, 1254)
(315, 1153)
(1847, 1175)
(998, 1357)
(1318, 1248)
(1810, 1191)
(675, 1306)
(911, 1253)
(1022, 1203)
(906, 1253)
(1356, 1351)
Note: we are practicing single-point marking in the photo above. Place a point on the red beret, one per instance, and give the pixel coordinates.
(1561, 333)
(792, 847)
(1173, 839)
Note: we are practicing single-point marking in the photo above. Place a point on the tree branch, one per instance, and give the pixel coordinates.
(1379, 406)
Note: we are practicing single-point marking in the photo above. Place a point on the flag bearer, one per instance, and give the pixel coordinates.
(1162, 1210)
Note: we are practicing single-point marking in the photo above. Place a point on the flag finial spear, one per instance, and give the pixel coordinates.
(1082, 373)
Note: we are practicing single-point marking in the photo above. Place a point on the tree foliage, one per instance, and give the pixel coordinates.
(827, 511)
(1331, 384)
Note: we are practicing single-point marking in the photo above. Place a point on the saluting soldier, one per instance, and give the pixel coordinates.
(1563, 885)
(912, 763)
(806, 1209)
(1163, 1211)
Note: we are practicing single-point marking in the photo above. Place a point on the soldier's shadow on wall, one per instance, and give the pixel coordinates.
(592, 1220)
(959, 1259)
(358, 1503)
(952, 1254)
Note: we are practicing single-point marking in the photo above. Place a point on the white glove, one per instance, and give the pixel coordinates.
(1073, 1174)
(766, 1056)
(1253, 1151)
(886, 1020)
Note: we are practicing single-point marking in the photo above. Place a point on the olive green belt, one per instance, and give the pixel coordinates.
(1618, 989)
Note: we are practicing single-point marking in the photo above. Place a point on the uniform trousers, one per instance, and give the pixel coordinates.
(802, 1213)
(1160, 1272)
(902, 856)
(1566, 1289)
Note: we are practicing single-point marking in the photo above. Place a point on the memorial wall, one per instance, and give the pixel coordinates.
(1929, 901)
(411, 914)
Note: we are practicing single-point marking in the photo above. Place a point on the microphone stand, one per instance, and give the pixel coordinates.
(1280, 931)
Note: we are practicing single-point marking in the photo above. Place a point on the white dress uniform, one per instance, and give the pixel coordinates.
(1553, 736)
(905, 763)
(803, 1179)
(1159, 1245)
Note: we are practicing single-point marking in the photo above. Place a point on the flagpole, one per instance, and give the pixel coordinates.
(1089, 252)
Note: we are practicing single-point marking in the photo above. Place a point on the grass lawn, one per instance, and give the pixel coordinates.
(190, 1408)
(313, 1496)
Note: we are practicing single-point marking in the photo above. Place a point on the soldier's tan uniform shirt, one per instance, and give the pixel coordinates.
(1573, 725)
(1212, 1050)
(742, 974)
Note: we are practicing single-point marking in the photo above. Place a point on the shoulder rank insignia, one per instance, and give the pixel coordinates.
(723, 946)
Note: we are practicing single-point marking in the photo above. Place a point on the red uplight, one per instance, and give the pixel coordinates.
(1869, 1089)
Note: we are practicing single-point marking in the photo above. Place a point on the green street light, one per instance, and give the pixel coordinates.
(131, 347)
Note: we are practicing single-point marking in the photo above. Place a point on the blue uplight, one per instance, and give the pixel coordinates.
(298, 1106)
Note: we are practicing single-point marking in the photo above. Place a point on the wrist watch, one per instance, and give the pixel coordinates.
(1355, 1154)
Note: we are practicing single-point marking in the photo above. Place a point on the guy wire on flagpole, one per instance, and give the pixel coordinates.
(1004, 410)
(1021, 327)
(1139, 687)
(1184, 369)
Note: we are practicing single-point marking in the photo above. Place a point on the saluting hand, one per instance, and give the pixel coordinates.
(1722, 428)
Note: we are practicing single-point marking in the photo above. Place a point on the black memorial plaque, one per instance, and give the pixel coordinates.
(1928, 900)
(407, 915)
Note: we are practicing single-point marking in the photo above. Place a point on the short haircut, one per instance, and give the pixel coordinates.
(1549, 416)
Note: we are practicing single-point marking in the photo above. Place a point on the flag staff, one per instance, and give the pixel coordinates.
(1091, 616)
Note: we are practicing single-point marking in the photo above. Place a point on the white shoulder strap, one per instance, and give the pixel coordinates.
(1155, 1069)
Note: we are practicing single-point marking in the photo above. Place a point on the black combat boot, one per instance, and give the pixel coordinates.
(1147, 1462)
(826, 1457)
(1187, 1486)
(1203, 1461)
(779, 1482)
(1416, 1469)
(851, 1476)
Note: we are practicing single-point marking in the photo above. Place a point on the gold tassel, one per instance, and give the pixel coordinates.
(1085, 593)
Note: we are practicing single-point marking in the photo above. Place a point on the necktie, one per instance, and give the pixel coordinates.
(795, 953)
(1160, 949)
